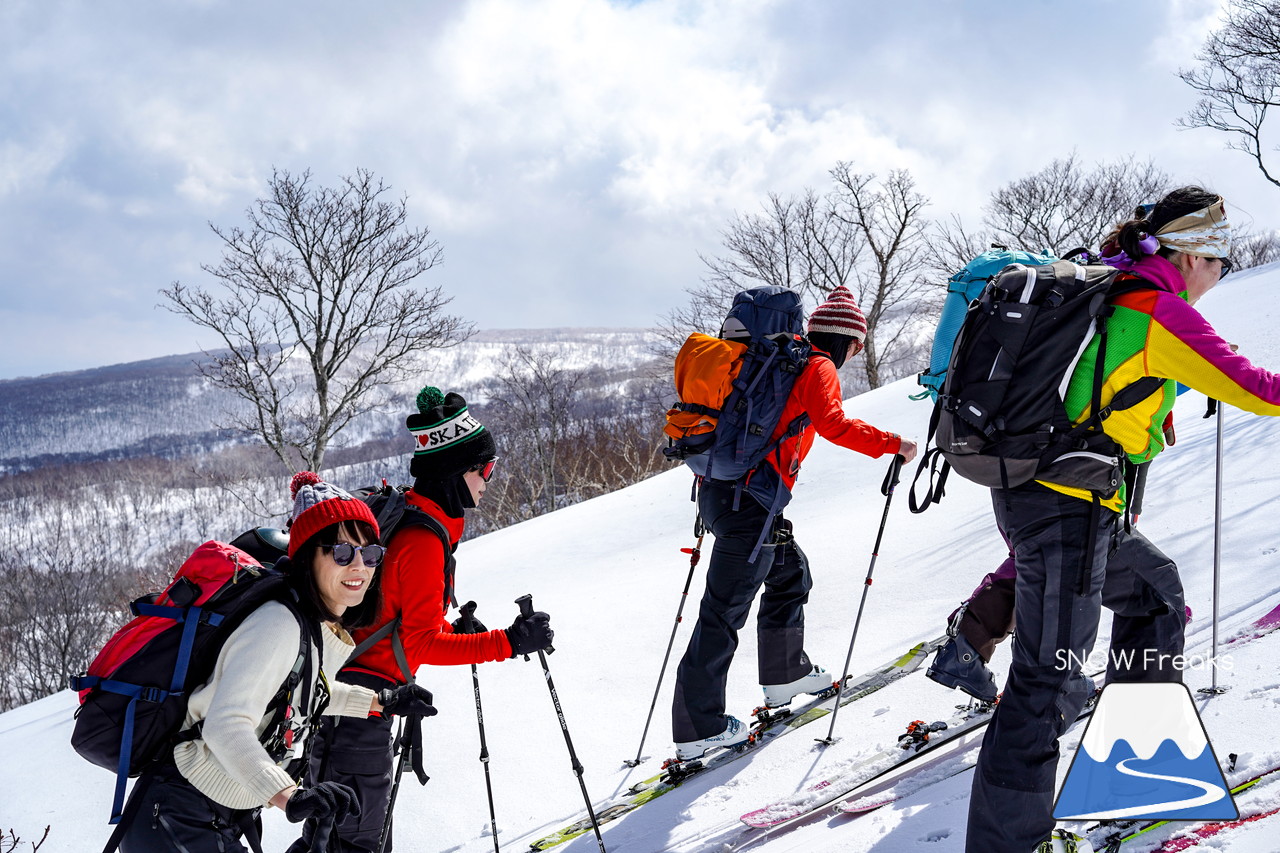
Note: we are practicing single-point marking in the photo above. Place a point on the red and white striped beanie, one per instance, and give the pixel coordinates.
(839, 315)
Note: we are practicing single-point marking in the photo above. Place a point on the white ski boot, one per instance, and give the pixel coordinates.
(816, 681)
(735, 732)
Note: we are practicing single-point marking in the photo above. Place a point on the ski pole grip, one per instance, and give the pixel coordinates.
(891, 476)
(525, 603)
(469, 616)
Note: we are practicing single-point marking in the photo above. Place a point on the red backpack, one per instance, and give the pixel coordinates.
(133, 698)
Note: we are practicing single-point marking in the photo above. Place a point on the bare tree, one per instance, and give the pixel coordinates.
(891, 286)
(1250, 249)
(322, 310)
(794, 243)
(533, 399)
(1239, 79)
(1065, 206)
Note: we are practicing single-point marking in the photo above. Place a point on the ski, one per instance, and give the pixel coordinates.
(769, 725)
(1209, 830)
(1260, 628)
(1107, 837)
(919, 743)
(870, 798)
(875, 776)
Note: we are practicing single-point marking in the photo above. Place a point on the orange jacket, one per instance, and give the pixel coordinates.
(817, 392)
(413, 589)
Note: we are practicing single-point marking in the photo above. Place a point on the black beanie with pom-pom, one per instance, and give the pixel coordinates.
(448, 440)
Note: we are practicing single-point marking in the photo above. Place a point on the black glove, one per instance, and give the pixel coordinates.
(530, 633)
(460, 625)
(325, 800)
(407, 700)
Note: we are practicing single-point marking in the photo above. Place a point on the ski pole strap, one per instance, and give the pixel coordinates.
(891, 476)
(937, 480)
(248, 825)
(413, 731)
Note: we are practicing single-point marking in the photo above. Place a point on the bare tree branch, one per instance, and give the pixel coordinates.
(321, 310)
(1238, 79)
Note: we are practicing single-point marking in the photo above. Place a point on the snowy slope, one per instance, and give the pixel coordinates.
(610, 573)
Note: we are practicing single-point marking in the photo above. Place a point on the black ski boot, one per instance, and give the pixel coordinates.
(958, 664)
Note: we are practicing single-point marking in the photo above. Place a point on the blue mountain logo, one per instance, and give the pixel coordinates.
(1145, 754)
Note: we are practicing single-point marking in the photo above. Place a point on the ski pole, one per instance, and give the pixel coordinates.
(694, 553)
(525, 602)
(1215, 408)
(469, 625)
(408, 743)
(402, 760)
(886, 489)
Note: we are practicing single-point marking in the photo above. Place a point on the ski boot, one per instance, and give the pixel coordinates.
(735, 733)
(816, 681)
(958, 664)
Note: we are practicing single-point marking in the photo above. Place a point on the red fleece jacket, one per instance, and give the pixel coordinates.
(413, 589)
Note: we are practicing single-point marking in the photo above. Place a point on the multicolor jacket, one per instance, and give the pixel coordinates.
(413, 589)
(1154, 332)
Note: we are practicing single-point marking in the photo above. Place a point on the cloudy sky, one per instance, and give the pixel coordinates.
(573, 157)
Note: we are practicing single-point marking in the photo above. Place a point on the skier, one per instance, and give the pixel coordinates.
(454, 457)
(836, 331)
(1061, 535)
(209, 794)
(986, 618)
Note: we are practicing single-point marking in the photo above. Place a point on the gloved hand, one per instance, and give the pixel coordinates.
(460, 624)
(407, 700)
(325, 800)
(529, 634)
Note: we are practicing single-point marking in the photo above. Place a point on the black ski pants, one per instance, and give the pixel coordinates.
(1148, 626)
(1055, 539)
(1142, 590)
(355, 751)
(732, 584)
(174, 817)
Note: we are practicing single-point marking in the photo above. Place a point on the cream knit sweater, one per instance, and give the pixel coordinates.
(227, 763)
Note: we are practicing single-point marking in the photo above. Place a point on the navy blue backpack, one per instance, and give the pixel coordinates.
(757, 378)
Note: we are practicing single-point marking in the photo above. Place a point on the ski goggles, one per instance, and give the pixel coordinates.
(345, 552)
(484, 469)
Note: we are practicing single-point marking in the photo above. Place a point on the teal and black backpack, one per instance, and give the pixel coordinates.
(962, 288)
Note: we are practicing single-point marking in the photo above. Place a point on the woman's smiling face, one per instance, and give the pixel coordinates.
(342, 586)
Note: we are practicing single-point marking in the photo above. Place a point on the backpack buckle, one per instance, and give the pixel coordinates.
(152, 694)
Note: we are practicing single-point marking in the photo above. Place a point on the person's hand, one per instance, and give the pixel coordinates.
(325, 800)
(407, 700)
(460, 624)
(530, 633)
(908, 450)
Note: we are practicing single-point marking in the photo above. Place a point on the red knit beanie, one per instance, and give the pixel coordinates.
(317, 504)
(839, 315)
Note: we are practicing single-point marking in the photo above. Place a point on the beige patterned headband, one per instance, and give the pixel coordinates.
(1206, 232)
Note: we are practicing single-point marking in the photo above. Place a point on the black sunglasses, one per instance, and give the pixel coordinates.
(345, 552)
(1227, 267)
(484, 469)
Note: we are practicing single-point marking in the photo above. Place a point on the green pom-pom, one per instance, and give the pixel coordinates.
(429, 398)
